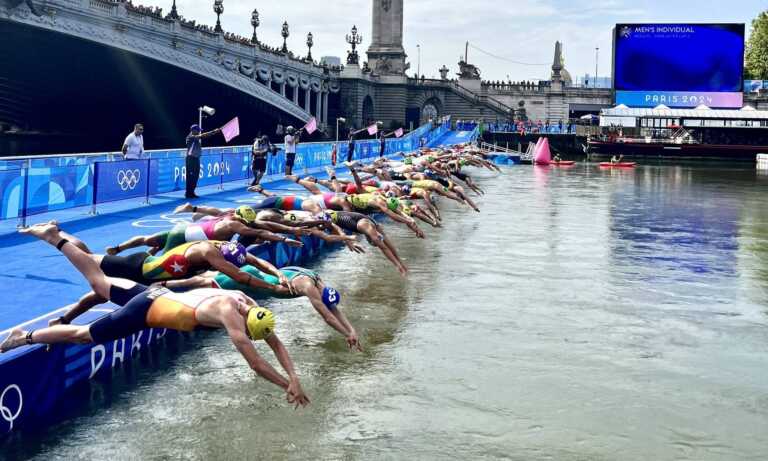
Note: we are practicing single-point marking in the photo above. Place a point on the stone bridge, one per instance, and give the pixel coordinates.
(295, 86)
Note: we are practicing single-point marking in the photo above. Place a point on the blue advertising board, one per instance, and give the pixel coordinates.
(121, 180)
(679, 65)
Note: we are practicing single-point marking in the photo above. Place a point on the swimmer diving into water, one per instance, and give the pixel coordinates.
(158, 307)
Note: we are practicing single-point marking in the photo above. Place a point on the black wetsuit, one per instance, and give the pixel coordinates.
(348, 220)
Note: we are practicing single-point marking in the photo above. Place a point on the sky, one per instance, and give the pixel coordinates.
(520, 33)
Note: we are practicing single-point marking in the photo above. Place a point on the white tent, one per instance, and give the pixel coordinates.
(748, 109)
(621, 106)
(661, 107)
(702, 107)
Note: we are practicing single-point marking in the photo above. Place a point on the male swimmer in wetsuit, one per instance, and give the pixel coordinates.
(158, 307)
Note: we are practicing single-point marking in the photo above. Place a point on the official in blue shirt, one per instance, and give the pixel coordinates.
(194, 151)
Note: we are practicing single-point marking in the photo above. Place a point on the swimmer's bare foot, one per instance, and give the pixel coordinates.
(292, 177)
(111, 251)
(187, 207)
(257, 188)
(16, 338)
(403, 271)
(44, 231)
(331, 172)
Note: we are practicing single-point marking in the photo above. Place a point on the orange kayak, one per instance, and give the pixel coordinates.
(563, 163)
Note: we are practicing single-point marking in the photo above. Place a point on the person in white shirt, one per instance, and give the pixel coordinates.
(291, 140)
(133, 146)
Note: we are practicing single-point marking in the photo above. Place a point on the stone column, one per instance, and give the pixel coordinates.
(318, 109)
(307, 99)
(296, 95)
(282, 89)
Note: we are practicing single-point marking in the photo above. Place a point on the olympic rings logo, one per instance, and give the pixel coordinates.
(5, 412)
(128, 179)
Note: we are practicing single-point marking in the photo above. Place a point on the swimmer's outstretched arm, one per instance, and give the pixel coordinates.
(236, 329)
(202, 209)
(246, 231)
(334, 319)
(198, 281)
(217, 261)
(267, 267)
(401, 218)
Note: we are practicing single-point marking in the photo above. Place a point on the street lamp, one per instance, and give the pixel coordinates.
(418, 69)
(342, 120)
(353, 40)
(208, 111)
(218, 8)
(255, 23)
(310, 42)
(594, 81)
(285, 33)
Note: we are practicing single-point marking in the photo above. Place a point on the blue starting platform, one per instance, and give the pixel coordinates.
(38, 284)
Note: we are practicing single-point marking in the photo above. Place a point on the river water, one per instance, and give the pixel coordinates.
(585, 314)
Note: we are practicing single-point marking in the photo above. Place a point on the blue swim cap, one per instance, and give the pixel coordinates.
(406, 189)
(331, 298)
(194, 127)
(234, 253)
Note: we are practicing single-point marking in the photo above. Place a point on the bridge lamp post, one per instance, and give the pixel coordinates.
(285, 33)
(342, 120)
(208, 111)
(310, 42)
(418, 71)
(218, 8)
(255, 23)
(353, 40)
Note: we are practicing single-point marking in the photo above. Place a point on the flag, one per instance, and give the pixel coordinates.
(373, 129)
(311, 125)
(399, 133)
(231, 130)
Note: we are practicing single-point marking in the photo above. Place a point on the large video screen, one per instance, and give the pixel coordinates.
(679, 65)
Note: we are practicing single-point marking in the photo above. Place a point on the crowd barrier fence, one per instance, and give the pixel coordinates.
(30, 186)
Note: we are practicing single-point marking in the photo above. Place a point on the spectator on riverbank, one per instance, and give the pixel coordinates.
(133, 146)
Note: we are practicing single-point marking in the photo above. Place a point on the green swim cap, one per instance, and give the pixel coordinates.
(408, 161)
(246, 213)
(393, 204)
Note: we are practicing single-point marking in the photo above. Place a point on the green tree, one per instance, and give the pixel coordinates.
(756, 58)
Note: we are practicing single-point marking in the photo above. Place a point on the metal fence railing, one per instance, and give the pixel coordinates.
(35, 185)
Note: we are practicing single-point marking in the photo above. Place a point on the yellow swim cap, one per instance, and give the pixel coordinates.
(260, 323)
(246, 213)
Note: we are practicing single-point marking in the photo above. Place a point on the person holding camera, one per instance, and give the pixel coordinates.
(292, 139)
(261, 148)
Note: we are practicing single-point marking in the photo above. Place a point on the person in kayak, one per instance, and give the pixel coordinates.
(304, 283)
(158, 307)
(616, 160)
